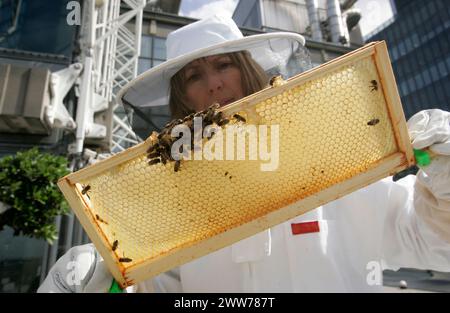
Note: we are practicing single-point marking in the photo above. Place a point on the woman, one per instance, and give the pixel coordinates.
(222, 78)
(341, 246)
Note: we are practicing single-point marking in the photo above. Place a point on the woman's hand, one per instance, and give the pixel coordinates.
(431, 129)
(80, 270)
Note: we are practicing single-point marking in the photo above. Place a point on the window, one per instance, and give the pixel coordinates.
(159, 49)
(417, 17)
(419, 81)
(415, 40)
(442, 69)
(397, 36)
(403, 89)
(428, 55)
(404, 27)
(399, 72)
(411, 85)
(42, 26)
(423, 98)
(434, 73)
(394, 53)
(143, 65)
(420, 57)
(435, 49)
(401, 48)
(146, 47)
(426, 77)
(440, 92)
(447, 90)
(411, 26)
(408, 44)
(153, 52)
(431, 94)
(157, 62)
(424, 13)
(389, 36)
(431, 8)
(448, 63)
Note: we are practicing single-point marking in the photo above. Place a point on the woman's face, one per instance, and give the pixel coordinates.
(212, 79)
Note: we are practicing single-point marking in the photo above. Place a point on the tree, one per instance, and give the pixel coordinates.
(28, 188)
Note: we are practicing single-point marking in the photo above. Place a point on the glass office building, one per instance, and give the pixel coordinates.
(418, 39)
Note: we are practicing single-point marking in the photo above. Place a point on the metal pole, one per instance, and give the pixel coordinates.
(316, 32)
(53, 255)
(45, 268)
(335, 20)
(69, 232)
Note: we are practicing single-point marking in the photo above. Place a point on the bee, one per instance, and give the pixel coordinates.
(154, 161)
(85, 189)
(226, 173)
(373, 122)
(373, 85)
(176, 167)
(115, 244)
(276, 81)
(209, 114)
(100, 219)
(152, 148)
(163, 160)
(223, 122)
(166, 140)
(217, 117)
(239, 118)
(153, 155)
(125, 260)
(172, 123)
(190, 124)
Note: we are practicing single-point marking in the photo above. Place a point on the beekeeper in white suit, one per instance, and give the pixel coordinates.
(341, 246)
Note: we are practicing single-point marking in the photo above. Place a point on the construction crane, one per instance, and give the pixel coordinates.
(109, 58)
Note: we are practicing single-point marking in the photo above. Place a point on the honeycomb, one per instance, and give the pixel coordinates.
(331, 128)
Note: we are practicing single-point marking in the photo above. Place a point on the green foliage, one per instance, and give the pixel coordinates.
(28, 184)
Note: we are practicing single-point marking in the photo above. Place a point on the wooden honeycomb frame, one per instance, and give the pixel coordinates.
(130, 274)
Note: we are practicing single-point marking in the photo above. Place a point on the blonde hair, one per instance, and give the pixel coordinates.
(253, 79)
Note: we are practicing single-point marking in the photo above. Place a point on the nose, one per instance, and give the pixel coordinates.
(215, 82)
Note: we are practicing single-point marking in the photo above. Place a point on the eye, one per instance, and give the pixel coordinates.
(225, 65)
(193, 77)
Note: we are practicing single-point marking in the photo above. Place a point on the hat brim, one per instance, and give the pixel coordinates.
(151, 88)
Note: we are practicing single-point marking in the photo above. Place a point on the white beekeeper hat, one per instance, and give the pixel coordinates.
(278, 53)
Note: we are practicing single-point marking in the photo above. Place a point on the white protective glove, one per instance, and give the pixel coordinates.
(431, 129)
(81, 269)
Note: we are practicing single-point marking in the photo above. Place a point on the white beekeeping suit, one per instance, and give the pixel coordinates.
(341, 246)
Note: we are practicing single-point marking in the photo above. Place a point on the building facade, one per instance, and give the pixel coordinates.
(418, 40)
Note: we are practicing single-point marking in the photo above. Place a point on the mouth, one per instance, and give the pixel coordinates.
(226, 101)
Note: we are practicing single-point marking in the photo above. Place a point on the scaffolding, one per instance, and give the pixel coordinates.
(110, 45)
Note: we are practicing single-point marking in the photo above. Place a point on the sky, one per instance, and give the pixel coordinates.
(205, 8)
(374, 12)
